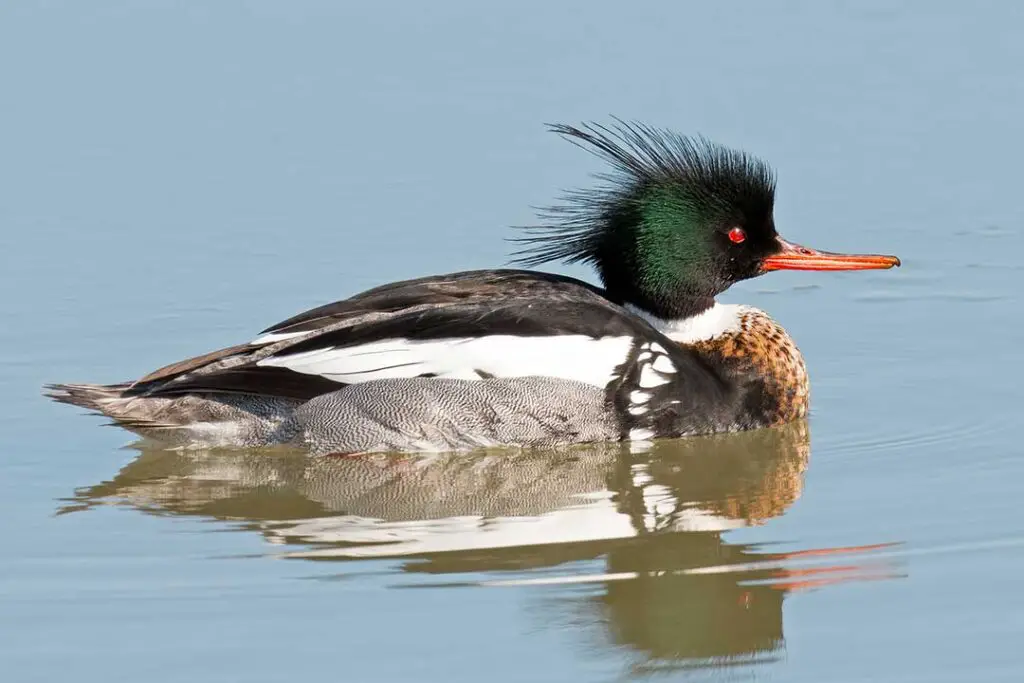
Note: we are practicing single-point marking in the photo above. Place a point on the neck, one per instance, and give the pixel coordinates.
(663, 307)
(620, 268)
(712, 322)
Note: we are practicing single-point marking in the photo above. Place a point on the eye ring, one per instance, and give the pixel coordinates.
(737, 235)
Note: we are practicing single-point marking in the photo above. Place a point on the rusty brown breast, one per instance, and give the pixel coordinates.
(762, 347)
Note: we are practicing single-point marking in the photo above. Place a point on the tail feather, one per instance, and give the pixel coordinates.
(113, 401)
(212, 419)
(90, 396)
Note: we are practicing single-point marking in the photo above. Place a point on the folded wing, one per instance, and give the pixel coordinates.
(469, 325)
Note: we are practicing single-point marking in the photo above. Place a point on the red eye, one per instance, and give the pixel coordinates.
(737, 235)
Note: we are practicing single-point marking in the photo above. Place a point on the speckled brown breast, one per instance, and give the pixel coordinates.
(763, 347)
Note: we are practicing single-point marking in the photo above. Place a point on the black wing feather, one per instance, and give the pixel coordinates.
(458, 306)
(440, 290)
(250, 379)
(520, 318)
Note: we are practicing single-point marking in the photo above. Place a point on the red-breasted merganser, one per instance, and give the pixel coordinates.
(520, 357)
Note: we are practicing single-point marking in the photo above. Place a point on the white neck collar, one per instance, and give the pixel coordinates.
(718, 320)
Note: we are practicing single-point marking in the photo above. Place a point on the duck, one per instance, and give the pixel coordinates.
(517, 356)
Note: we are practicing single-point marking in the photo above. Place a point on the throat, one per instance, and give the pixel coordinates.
(714, 321)
(666, 303)
(669, 307)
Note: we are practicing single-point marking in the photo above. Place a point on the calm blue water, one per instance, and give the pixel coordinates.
(175, 177)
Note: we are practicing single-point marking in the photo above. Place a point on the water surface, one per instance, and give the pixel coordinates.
(178, 177)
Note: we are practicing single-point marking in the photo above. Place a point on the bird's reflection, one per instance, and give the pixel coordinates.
(645, 527)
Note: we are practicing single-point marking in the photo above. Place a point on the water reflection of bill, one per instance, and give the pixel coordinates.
(650, 520)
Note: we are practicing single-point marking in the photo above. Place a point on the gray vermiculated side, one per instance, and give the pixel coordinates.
(442, 414)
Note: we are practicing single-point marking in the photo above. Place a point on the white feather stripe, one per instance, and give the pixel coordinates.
(574, 357)
(274, 337)
(637, 397)
(718, 320)
(663, 364)
(650, 379)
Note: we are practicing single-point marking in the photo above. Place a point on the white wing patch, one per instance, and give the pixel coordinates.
(573, 357)
(274, 337)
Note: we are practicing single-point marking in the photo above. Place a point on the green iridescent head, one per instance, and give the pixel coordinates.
(676, 221)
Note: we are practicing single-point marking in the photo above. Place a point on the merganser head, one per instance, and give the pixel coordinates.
(677, 221)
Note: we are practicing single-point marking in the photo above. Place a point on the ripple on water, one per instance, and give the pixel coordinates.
(770, 291)
(994, 266)
(988, 231)
(892, 296)
(950, 433)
